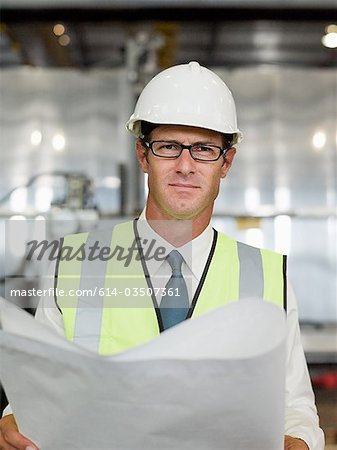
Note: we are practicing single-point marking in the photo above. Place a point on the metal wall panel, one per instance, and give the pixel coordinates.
(63, 120)
(287, 167)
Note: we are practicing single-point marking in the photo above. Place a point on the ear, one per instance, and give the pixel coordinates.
(141, 155)
(228, 159)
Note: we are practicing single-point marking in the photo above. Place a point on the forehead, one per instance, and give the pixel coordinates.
(184, 132)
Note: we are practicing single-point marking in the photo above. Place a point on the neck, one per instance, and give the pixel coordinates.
(177, 231)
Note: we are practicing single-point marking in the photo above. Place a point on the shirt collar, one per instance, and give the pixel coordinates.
(195, 253)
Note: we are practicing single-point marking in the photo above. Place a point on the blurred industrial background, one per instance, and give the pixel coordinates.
(70, 74)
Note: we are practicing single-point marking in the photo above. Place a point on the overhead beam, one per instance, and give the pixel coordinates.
(183, 14)
(141, 4)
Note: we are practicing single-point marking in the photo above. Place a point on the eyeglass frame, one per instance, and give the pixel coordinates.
(223, 150)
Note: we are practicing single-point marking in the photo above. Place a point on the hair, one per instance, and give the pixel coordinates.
(148, 127)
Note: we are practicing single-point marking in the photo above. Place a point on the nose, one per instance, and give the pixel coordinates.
(185, 164)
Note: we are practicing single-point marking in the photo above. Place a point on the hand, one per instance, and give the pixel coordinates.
(10, 438)
(291, 443)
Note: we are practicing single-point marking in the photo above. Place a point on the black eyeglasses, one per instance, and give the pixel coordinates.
(172, 150)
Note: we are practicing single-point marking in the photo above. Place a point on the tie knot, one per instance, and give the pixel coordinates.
(175, 260)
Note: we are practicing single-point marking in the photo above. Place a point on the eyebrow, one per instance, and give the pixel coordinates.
(194, 143)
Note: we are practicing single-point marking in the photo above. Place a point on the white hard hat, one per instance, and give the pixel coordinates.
(188, 94)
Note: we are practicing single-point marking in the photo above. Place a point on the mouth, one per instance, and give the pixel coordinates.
(183, 186)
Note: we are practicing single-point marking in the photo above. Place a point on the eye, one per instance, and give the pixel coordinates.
(204, 149)
(167, 146)
(170, 146)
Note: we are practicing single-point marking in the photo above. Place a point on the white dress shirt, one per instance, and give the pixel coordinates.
(194, 253)
(301, 418)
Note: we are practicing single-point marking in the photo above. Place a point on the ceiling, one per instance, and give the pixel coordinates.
(215, 33)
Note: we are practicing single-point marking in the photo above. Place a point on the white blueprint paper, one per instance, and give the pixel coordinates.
(216, 382)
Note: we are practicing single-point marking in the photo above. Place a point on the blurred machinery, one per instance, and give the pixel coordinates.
(78, 192)
(72, 209)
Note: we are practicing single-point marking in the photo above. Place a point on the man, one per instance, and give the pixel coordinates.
(185, 124)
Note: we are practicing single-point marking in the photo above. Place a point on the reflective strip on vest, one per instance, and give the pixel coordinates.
(90, 308)
(251, 271)
(109, 324)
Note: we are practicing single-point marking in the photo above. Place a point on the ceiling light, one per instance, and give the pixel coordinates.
(36, 137)
(332, 28)
(59, 142)
(330, 40)
(64, 40)
(59, 29)
(319, 140)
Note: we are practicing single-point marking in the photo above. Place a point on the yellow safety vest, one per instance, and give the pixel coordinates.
(106, 301)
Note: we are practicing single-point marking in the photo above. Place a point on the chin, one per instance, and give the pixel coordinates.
(184, 213)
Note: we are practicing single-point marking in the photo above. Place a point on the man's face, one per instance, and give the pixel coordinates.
(183, 188)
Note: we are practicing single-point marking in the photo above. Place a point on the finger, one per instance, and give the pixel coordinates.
(15, 440)
(4, 446)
